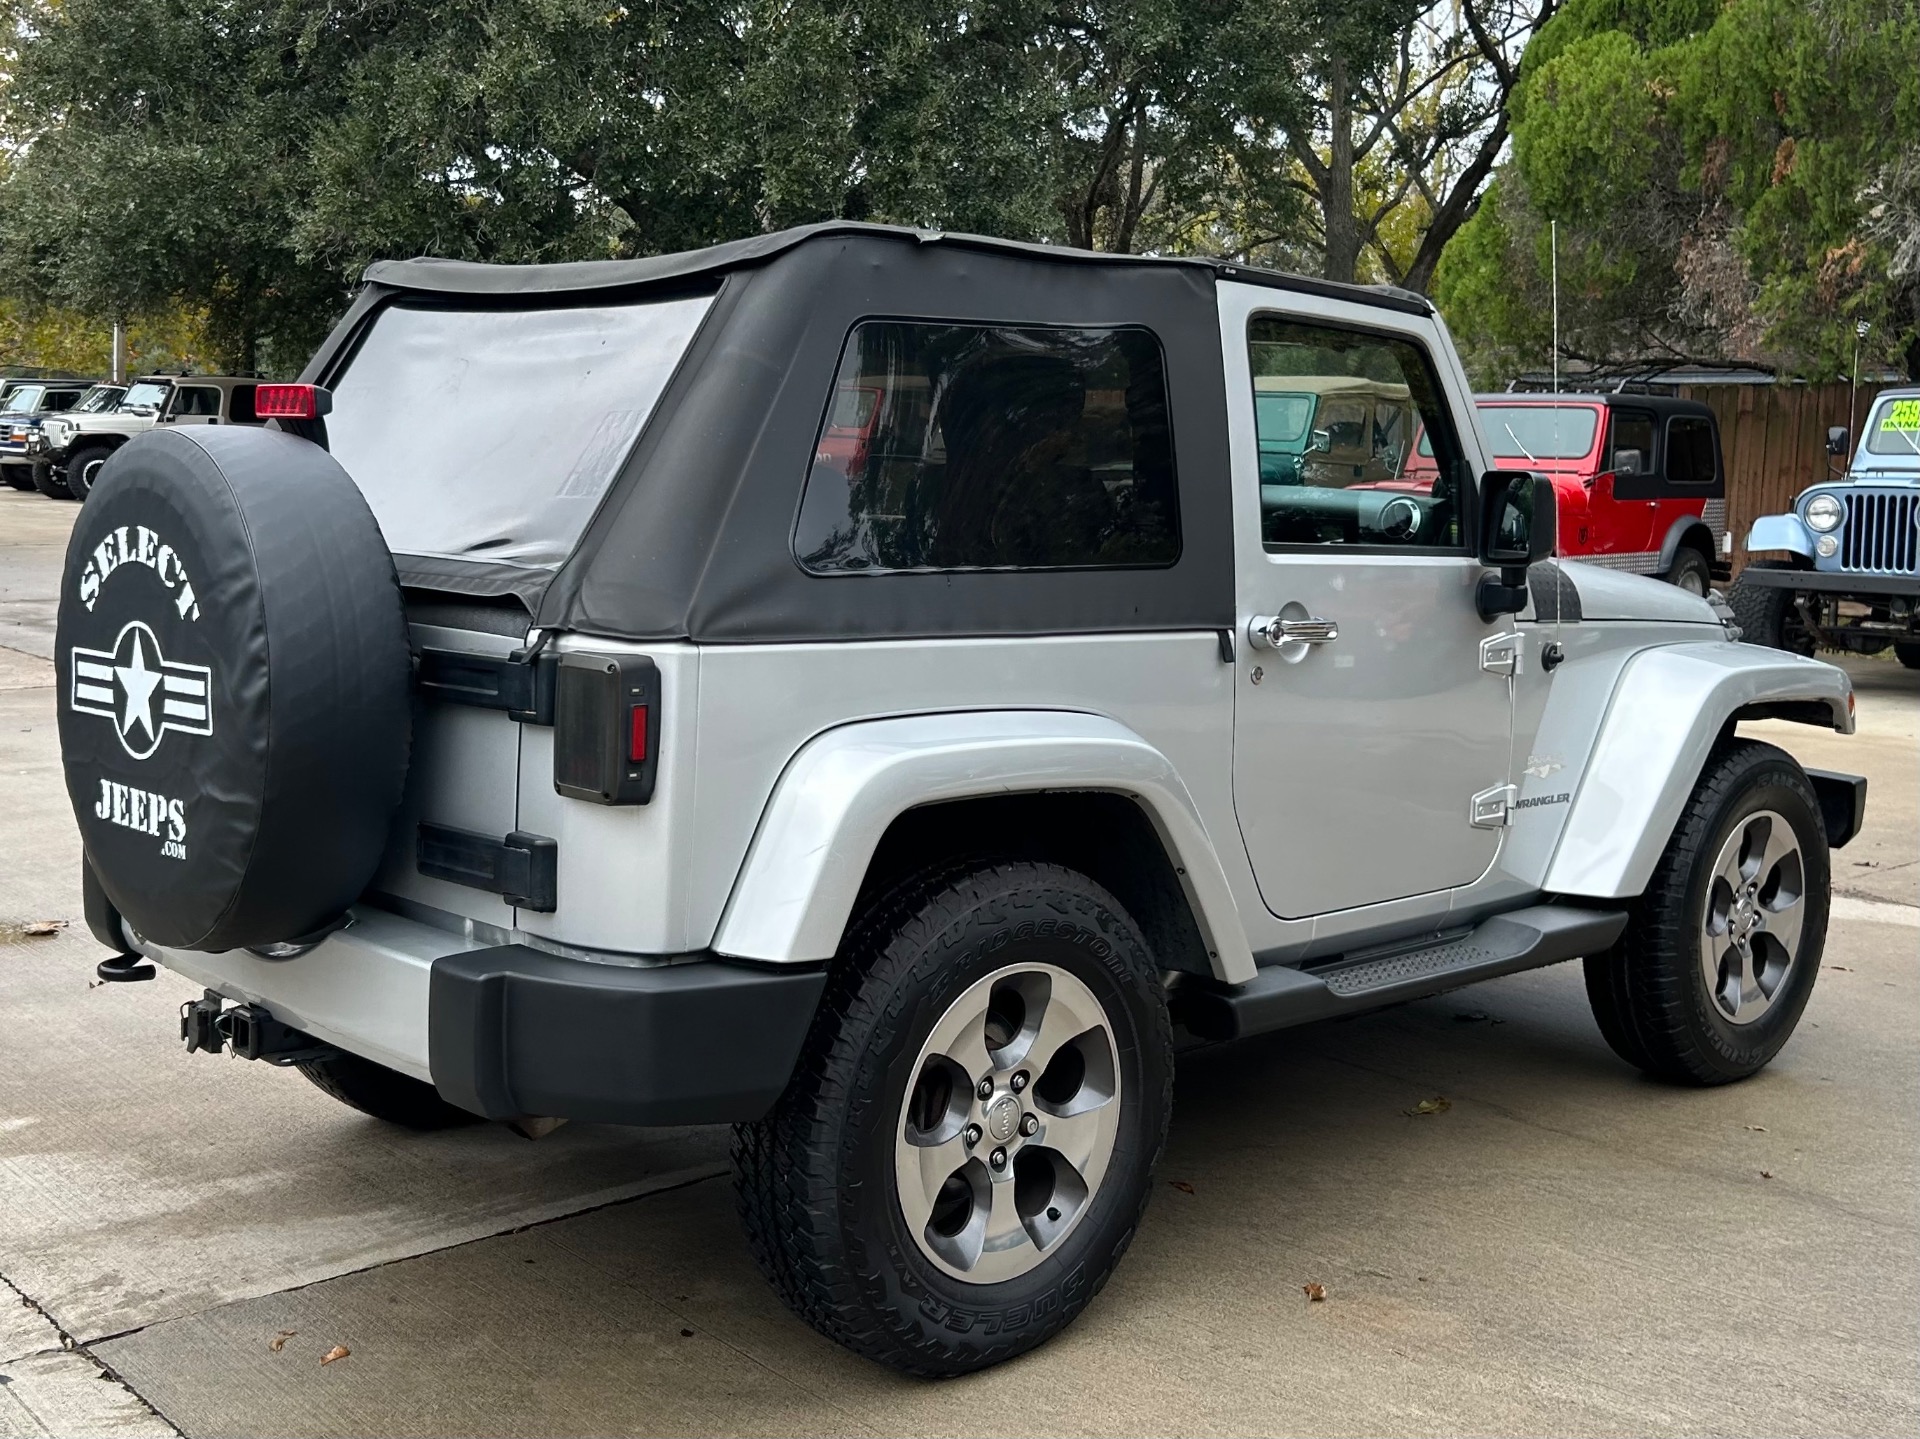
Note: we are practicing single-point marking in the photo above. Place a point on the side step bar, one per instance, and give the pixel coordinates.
(1279, 996)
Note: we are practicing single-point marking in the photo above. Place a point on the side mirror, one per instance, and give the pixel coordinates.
(1320, 442)
(1837, 438)
(1518, 522)
(1627, 462)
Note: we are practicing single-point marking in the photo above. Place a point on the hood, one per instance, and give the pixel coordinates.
(1610, 595)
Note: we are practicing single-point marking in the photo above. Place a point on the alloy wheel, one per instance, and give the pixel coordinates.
(1009, 1123)
(1754, 913)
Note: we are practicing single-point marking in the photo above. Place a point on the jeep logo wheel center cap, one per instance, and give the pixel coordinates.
(1003, 1119)
(141, 691)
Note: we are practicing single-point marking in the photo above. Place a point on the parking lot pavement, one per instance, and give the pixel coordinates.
(1565, 1247)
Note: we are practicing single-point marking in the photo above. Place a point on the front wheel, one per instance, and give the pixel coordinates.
(82, 466)
(46, 484)
(1721, 952)
(965, 1149)
(1767, 614)
(1907, 654)
(18, 476)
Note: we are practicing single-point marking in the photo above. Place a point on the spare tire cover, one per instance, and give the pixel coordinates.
(233, 670)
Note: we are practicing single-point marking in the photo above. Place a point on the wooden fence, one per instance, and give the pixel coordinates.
(1774, 438)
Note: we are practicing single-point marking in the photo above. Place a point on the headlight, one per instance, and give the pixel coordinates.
(1824, 513)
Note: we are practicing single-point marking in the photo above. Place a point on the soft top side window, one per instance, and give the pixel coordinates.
(1690, 450)
(1630, 443)
(970, 447)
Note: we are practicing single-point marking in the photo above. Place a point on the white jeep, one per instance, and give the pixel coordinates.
(854, 684)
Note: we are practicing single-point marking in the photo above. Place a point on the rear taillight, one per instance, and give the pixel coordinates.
(606, 747)
(292, 402)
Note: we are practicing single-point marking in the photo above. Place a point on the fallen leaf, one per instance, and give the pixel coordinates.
(1181, 1185)
(1437, 1105)
(1766, 1174)
(1758, 1128)
(1843, 968)
(42, 927)
(686, 1334)
(339, 1351)
(279, 1341)
(1315, 1292)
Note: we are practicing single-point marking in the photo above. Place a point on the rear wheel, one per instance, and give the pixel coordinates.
(82, 465)
(1721, 952)
(384, 1093)
(1690, 572)
(1767, 614)
(1907, 654)
(964, 1152)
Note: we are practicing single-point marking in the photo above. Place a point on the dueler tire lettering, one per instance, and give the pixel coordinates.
(233, 672)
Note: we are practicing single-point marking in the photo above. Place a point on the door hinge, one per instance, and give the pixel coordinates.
(1493, 808)
(1503, 654)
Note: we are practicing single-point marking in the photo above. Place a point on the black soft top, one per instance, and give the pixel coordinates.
(429, 275)
(694, 537)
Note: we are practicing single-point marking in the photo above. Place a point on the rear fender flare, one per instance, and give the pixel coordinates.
(1669, 707)
(1678, 534)
(817, 836)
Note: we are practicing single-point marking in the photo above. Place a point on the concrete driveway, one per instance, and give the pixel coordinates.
(1567, 1247)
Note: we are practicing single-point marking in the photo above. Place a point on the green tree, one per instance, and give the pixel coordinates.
(1730, 181)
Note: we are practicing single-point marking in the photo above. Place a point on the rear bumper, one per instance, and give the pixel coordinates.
(509, 1030)
(1831, 582)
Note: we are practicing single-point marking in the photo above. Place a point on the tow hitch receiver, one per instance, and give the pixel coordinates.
(248, 1030)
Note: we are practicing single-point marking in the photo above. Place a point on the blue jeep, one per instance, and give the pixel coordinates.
(1849, 579)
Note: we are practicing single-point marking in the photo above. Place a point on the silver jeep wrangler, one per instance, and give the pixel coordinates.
(854, 684)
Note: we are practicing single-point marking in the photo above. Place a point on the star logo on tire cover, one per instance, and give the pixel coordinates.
(141, 691)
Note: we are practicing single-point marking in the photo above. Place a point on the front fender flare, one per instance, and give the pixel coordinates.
(836, 797)
(1669, 707)
(1780, 532)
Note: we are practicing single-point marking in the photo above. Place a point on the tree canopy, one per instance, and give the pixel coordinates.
(1730, 177)
(1732, 180)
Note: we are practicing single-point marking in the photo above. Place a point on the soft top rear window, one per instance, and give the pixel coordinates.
(491, 435)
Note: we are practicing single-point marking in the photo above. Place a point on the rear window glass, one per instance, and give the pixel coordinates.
(1895, 428)
(1539, 432)
(1690, 457)
(491, 435)
(956, 447)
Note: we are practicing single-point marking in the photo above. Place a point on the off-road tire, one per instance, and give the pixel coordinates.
(384, 1093)
(1648, 994)
(46, 484)
(815, 1178)
(1765, 613)
(1907, 653)
(82, 465)
(1690, 564)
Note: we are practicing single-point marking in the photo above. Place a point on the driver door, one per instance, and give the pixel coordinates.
(1359, 747)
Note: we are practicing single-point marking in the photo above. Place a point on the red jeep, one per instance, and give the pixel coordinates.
(1639, 478)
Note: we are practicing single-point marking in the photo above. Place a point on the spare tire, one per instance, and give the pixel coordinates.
(234, 673)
